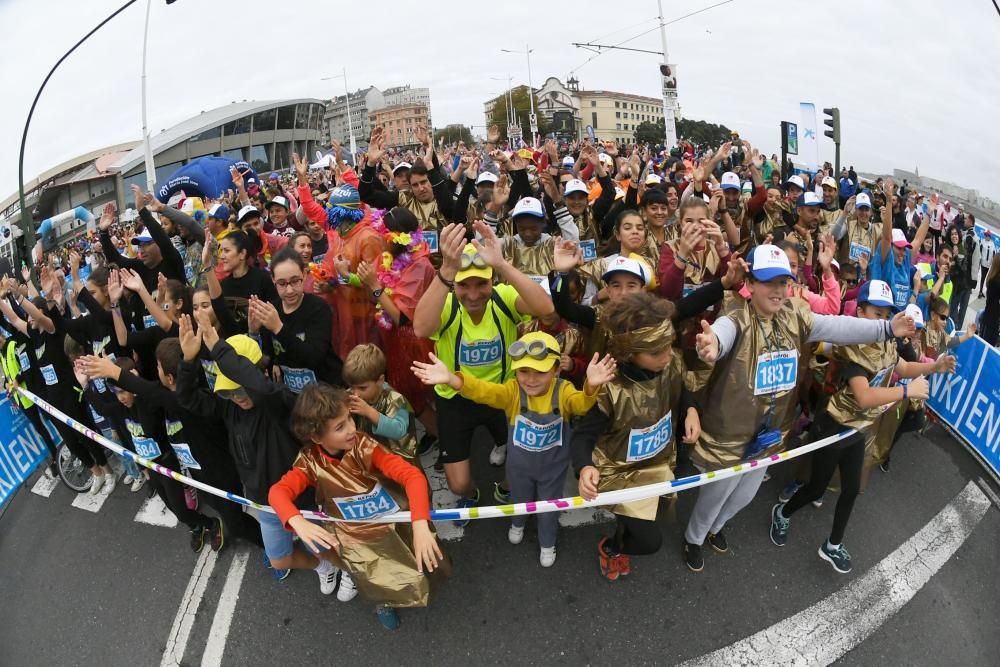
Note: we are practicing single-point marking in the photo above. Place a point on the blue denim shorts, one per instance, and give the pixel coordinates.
(277, 540)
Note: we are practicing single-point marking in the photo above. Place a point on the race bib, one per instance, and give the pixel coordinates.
(534, 437)
(431, 237)
(98, 419)
(22, 358)
(776, 371)
(146, 447)
(543, 282)
(879, 378)
(901, 292)
(645, 443)
(589, 249)
(184, 455)
(296, 379)
(857, 250)
(99, 385)
(687, 289)
(189, 273)
(371, 505)
(49, 375)
(148, 322)
(480, 352)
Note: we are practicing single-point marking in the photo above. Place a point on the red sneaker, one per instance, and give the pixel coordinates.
(609, 564)
(624, 565)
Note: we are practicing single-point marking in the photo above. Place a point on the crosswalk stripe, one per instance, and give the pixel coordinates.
(155, 513)
(44, 485)
(85, 501)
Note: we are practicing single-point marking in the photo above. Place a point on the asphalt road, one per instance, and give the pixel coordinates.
(82, 588)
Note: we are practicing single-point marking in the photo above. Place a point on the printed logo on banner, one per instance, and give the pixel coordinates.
(969, 400)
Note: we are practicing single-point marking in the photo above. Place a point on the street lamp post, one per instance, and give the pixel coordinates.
(669, 104)
(508, 95)
(347, 99)
(147, 149)
(532, 119)
(26, 224)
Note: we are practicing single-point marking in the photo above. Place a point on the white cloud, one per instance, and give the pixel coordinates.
(915, 82)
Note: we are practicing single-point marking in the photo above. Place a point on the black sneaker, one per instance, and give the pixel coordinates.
(693, 557)
(838, 558)
(779, 526)
(884, 466)
(426, 444)
(718, 542)
(217, 538)
(197, 539)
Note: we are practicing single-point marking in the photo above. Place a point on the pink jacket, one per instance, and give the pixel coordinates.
(826, 304)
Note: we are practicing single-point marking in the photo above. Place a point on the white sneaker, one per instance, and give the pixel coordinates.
(138, 483)
(498, 455)
(547, 556)
(96, 484)
(127, 480)
(109, 483)
(327, 574)
(347, 591)
(515, 534)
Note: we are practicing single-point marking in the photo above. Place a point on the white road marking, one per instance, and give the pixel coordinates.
(180, 631)
(826, 631)
(45, 485)
(155, 513)
(85, 501)
(216, 646)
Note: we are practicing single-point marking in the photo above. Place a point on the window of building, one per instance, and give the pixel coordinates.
(317, 117)
(264, 121)
(213, 133)
(302, 116)
(259, 159)
(164, 171)
(593, 103)
(286, 117)
(282, 159)
(618, 126)
(234, 154)
(238, 126)
(135, 179)
(618, 114)
(593, 119)
(616, 105)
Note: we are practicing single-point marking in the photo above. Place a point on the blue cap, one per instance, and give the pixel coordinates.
(274, 176)
(219, 212)
(877, 293)
(345, 196)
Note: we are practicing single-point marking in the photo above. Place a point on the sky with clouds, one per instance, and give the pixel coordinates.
(916, 82)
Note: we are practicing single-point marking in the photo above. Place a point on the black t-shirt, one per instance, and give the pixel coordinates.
(237, 292)
(304, 341)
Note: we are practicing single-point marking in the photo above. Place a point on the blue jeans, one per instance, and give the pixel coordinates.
(277, 540)
(130, 466)
(959, 304)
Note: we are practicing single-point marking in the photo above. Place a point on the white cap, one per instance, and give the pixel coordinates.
(401, 165)
(280, 201)
(913, 311)
(810, 198)
(730, 181)
(627, 265)
(218, 210)
(604, 157)
(576, 185)
(528, 206)
(619, 193)
(486, 177)
(796, 181)
(877, 293)
(245, 211)
(862, 200)
(568, 161)
(899, 239)
(829, 182)
(835, 264)
(768, 262)
(653, 179)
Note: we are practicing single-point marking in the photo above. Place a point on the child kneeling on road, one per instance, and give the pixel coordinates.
(536, 403)
(357, 478)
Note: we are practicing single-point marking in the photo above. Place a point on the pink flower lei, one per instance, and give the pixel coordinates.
(390, 269)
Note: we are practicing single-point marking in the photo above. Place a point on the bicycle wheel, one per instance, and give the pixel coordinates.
(73, 473)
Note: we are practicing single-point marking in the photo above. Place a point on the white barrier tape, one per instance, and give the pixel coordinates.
(460, 514)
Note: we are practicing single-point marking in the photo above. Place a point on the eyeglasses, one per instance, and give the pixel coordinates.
(474, 259)
(283, 284)
(536, 349)
(233, 394)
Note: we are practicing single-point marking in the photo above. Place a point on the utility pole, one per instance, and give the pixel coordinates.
(669, 100)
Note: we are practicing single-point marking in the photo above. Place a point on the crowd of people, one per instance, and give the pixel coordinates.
(617, 313)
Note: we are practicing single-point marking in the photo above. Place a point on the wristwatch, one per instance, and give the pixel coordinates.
(376, 293)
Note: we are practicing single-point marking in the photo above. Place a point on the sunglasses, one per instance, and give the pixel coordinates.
(941, 317)
(233, 394)
(474, 259)
(536, 349)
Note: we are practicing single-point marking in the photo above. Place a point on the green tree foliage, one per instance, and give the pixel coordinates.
(454, 133)
(696, 131)
(522, 110)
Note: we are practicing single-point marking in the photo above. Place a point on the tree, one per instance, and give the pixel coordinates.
(695, 131)
(453, 134)
(522, 110)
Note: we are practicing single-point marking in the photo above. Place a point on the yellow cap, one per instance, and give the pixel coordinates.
(651, 283)
(473, 271)
(545, 364)
(245, 346)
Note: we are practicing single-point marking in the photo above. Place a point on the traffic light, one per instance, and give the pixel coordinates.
(833, 122)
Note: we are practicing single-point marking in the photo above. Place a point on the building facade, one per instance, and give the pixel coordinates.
(490, 105)
(406, 95)
(363, 103)
(399, 122)
(560, 105)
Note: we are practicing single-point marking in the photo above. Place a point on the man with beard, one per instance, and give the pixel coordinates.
(830, 211)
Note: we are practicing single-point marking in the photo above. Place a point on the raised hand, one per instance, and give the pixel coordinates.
(550, 187)
(825, 256)
(431, 373)
(132, 280)
(189, 338)
(736, 273)
(265, 313)
(115, 289)
(602, 371)
(107, 217)
(98, 367)
(488, 246)
(368, 275)
(493, 135)
(376, 146)
(566, 255)
(501, 192)
(452, 243)
(902, 326)
(707, 343)
(301, 169)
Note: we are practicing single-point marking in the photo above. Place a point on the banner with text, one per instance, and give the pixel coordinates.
(21, 449)
(969, 400)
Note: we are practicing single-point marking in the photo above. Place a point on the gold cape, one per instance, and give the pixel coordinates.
(389, 403)
(878, 360)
